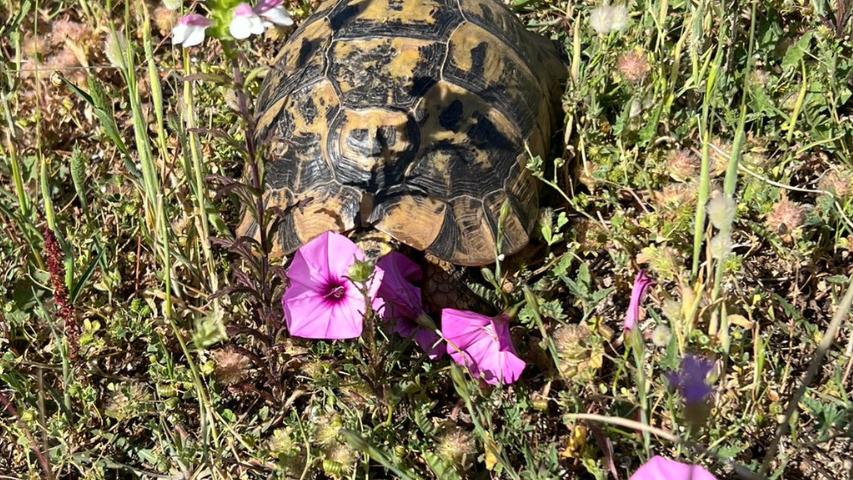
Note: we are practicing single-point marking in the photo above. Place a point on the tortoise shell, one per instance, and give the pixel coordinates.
(411, 117)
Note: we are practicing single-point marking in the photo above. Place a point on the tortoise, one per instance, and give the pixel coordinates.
(410, 117)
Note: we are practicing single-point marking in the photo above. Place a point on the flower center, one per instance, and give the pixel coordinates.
(335, 291)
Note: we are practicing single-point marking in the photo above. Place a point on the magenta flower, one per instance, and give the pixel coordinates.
(482, 344)
(690, 379)
(660, 468)
(321, 301)
(403, 304)
(190, 30)
(641, 284)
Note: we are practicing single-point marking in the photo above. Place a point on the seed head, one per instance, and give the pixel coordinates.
(605, 19)
(837, 182)
(721, 246)
(581, 354)
(63, 30)
(633, 66)
(682, 164)
(785, 217)
(661, 336)
(457, 446)
(721, 211)
(231, 366)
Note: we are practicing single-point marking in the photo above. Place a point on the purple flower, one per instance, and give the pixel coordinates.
(690, 379)
(403, 304)
(321, 301)
(641, 284)
(482, 344)
(190, 30)
(660, 468)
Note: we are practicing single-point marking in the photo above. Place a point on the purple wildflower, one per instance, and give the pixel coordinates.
(690, 379)
(641, 284)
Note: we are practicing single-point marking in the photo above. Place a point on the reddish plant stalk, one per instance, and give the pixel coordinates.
(64, 311)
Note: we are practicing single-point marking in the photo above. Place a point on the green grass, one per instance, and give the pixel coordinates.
(168, 380)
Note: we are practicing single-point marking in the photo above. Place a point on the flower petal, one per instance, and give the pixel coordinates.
(277, 16)
(660, 468)
(195, 36)
(403, 299)
(482, 344)
(638, 293)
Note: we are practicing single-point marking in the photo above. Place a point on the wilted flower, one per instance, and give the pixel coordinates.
(837, 183)
(690, 379)
(660, 468)
(231, 366)
(786, 217)
(633, 66)
(247, 21)
(641, 284)
(190, 30)
(403, 302)
(482, 344)
(682, 164)
(605, 19)
(321, 301)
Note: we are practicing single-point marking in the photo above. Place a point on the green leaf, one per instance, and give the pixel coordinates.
(87, 274)
(796, 51)
(440, 468)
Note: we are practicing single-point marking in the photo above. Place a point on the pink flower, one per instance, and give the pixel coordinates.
(403, 305)
(190, 30)
(273, 13)
(638, 294)
(660, 468)
(247, 21)
(321, 301)
(482, 344)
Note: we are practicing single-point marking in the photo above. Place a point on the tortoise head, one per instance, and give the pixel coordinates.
(374, 243)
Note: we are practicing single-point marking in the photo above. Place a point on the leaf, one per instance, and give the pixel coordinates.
(796, 51)
(87, 274)
(440, 468)
(210, 329)
(78, 175)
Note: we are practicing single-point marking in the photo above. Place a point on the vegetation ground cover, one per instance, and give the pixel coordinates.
(705, 143)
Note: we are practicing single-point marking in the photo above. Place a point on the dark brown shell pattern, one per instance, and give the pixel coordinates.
(412, 118)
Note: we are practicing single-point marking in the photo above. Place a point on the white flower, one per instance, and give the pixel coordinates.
(273, 13)
(190, 30)
(605, 19)
(245, 22)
